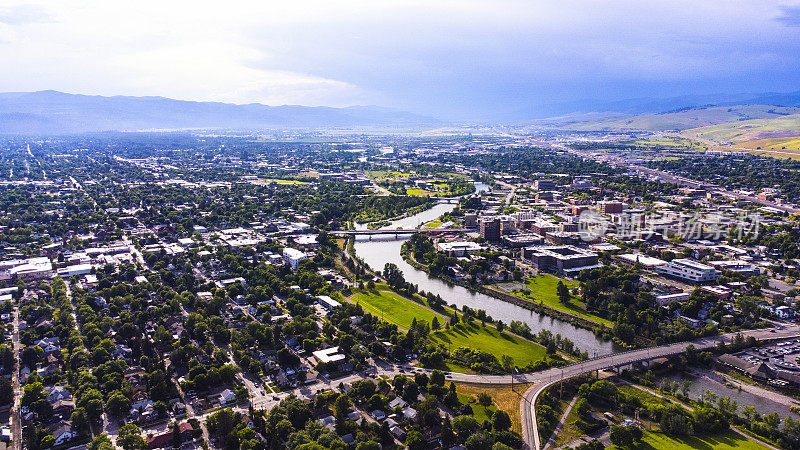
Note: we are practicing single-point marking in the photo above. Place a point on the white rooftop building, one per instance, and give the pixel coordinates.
(293, 257)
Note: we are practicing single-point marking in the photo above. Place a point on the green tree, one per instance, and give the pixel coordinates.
(130, 437)
(501, 421)
(563, 293)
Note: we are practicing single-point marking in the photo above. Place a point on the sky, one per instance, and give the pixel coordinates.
(450, 59)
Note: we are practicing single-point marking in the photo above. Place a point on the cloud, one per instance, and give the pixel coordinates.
(449, 57)
(23, 14)
(790, 16)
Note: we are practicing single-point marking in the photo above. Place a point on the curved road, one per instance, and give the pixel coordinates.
(542, 380)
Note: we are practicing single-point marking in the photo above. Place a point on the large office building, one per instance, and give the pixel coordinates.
(544, 185)
(490, 228)
(561, 258)
(688, 270)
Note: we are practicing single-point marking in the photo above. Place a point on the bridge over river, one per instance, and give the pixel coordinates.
(400, 231)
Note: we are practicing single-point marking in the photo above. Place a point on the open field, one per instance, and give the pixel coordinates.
(724, 441)
(487, 339)
(684, 119)
(748, 130)
(419, 192)
(542, 289)
(502, 397)
(433, 224)
(394, 308)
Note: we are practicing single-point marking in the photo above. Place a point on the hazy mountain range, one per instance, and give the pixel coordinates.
(53, 112)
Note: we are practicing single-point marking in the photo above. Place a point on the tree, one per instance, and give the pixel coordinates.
(620, 436)
(415, 441)
(484, 399)
(394, 276)
(563, 293)
(118, 404)
(479, 441)
(465, 426)
(583, 408)
(130, 437)
(101, 442)
(501, 421)
(437, 378)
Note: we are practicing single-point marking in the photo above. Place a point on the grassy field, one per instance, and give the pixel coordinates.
(748, 130)
(394, 308)
(480, 413)
(487, 339)
(419, 192)
(433, 224)
(502, 397)
(542, 289)
(724, 441)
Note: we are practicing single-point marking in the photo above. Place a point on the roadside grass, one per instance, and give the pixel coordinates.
(542, 288)
(394, 309)
(645, 397)
(728, 440)
(569, 431)
(503, 398)
(453, 366)
(487, 339)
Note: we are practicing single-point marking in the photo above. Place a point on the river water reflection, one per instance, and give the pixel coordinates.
(379, 250)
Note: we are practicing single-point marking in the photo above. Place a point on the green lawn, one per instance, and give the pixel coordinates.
(394, 308)
(433, 224)
(543, 289)
(479, 413)
(724, 441)
(487, 339)
(419, 192)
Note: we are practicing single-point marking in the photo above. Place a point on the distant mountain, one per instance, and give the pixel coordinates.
(675, 120)
(53, 112)
(637, 106)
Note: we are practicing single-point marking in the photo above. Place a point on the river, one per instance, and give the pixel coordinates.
(379, 250)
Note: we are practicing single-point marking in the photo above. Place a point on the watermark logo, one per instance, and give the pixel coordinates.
(688, 226)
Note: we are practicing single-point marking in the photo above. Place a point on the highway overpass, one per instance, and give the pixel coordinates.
(547, 378)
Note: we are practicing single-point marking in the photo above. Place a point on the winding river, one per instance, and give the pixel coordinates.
(379, 250)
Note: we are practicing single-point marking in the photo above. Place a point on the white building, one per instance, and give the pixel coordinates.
(666, 299)
(689, 270)
(293, 257)
(327, 302)
(26, 269)
(77, 269)
(458, 248)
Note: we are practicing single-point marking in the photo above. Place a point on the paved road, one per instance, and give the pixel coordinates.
(16, 421)
(547, 378)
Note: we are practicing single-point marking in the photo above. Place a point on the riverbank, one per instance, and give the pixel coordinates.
(573, 320)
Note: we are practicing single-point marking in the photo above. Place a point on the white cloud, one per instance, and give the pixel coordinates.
(411, 53)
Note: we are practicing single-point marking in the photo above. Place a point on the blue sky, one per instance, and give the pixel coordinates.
(452, 59)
